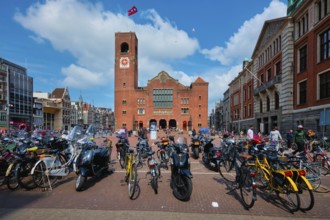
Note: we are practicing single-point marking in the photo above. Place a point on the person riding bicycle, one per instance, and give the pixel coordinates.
(299, 139)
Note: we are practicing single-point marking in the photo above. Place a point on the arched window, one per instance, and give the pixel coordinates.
(124, 48)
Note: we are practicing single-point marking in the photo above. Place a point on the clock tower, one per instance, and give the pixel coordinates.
(126, 78)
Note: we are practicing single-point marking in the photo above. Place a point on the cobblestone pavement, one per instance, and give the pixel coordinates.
(108, 196)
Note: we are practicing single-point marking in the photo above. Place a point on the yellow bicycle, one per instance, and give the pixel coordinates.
(131, 173)
(276, 180)
(301, 178)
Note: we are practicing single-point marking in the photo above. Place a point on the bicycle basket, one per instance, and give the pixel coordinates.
(271, 155)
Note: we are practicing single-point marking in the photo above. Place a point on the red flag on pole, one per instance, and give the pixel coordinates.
(132, 11)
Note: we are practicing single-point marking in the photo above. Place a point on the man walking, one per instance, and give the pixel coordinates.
(275, 137)
(250, 133)
(299, 139)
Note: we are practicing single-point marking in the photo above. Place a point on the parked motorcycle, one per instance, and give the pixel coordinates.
(180, 170)
(195, 146)
(92, 161)
(211, 155)
(154, 171)
(163, 152)
(143, 147)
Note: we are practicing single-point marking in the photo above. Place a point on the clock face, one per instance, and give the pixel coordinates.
(124, 62)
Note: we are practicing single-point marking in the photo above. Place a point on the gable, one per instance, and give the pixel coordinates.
(270, 29)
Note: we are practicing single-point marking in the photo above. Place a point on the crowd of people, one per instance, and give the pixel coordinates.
(298, 137)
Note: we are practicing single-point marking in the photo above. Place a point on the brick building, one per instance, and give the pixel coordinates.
(311, 63)
(242, 100)
(164, 100)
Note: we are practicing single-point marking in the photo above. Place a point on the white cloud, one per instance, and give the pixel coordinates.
(87, 32)
(242, 43)
(219, 79)
(85, 76)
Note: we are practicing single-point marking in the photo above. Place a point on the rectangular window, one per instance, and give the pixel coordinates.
(278, 70)
(163, 98)
(325, 45)
(269, 74)
(124, 102)
(303, 92)
(141, 111)
(303, 59)
(124, 112)
(124, 125)
(324, 85)
(184, 111)
(236, 99)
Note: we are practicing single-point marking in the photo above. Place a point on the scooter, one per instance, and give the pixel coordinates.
(195, 146)
(181, 183)
(92, 162)
(211, 155)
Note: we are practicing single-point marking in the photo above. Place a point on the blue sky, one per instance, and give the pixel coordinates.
(70, 43)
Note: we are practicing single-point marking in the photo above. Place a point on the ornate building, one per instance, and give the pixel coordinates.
(164, 100)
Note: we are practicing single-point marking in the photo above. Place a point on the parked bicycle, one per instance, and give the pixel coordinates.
(49, 169)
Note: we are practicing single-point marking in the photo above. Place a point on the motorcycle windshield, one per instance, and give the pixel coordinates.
(75, 133)
(90, 130)
(182, 140)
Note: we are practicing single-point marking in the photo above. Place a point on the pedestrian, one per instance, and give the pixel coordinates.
(299, 139)
(249, 134)
(193, 132)
(275, 137)
(289, 138)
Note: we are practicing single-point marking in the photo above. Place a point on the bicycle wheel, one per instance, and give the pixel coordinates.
(39, 176)
(230, 175)
(11, 180)
(306, 195)
(247, 188)
(294, 146)
(3, 168)
(122, 160)
(288, 197)
(261, 178)
(132, 181)
(23, 174)
(313, 176)
(324, 166)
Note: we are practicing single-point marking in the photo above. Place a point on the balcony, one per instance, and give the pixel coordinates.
(268, 85)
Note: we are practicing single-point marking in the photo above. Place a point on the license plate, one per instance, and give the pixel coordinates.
(196, 143)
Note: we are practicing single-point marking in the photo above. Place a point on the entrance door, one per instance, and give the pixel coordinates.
(162, 123)
(172, 123)
(152, 121)
(184, 125)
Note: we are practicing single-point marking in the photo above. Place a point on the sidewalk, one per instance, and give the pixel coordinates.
(82, 214)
